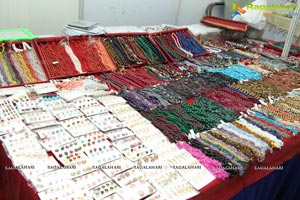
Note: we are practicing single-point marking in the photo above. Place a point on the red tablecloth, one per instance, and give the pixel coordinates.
(17, 188)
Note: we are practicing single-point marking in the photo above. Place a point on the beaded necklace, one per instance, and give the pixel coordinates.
(137, 101)
(11, 75)
(169, 40)
(172, 117)
(154, 100)
(215, 153)
(189, 43)
(104, 56)
(244, 146)
(122, 53)
(208, 113)
(234, 153)
(284, 133)
(36, 65)
(244, 134)
(148, 51)
(88, 55)
(33, 72)
(264, 117)
(21, 66)
(137, 49)
(129, 52)
(153, 96)
(3, 78)
(265, 127)
(258, 89)
(116, 58)
(168, 49)
(171, 131)
(238, 72)
(57, 61)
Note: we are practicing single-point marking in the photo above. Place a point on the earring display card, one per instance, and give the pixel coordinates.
(111, 100)
(91, 140)
(30, 105)
(113, 197)
(35, 117)
(137, 152)
(80, 168)
(69, 95)
(132, 117)
(154, 140)
(117, 166)
(53, 100)
(49, 179)
(80, 195)
(118, 134)
(120, 108)
(43, 124)
(12, 127)
(105, 122)
(91, 180)
(94, 110)
(33, 156)
(79, 126)
(128, 177)
(103, 154)
(54, 137)
(66, 112)
(85, 102)
(199, 179)
(22, 146)
(97, 147)
(16, 136)
(44, 133)
(191, 169)
(138, 190)
(36, 166)
(44, 88)
(60, 191)
(146, 130)
(104, 190)
(127, 143)
(8, 112)
(180, 190)
(19, 97)
(165, 178)
(167, 151)
(150, 160)
(69, 153)
(157, 196)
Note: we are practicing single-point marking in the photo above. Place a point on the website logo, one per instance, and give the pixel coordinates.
(237, 10)
(266, 9)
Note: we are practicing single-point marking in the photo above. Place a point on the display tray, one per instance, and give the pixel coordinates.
(16, 34)
(20, 65)
(166, 41)
(133, 50)
(278, 46)
(72, 56)
(225, 23)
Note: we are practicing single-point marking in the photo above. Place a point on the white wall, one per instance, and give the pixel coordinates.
(146, 12)
(131, 12)
(191, 11)
(49, 16)
(39, 16)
